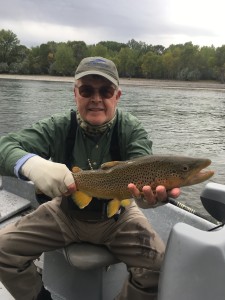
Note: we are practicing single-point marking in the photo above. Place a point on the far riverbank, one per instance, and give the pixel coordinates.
(207, 85)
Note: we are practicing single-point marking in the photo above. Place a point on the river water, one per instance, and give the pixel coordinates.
(179, 121)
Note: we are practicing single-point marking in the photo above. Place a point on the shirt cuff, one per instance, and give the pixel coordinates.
(20, 163)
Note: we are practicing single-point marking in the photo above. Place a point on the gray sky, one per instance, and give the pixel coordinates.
(156, 22)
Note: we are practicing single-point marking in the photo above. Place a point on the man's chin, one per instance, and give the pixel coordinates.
(96, 121)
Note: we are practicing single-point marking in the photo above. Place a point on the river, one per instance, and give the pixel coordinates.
(182, 121)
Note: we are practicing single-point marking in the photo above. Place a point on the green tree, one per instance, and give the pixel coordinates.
(127, 62)
(134, 59)
(159, 49)
(189, 62)
(8, 46)
(138, 47)
(98, 50)
(41, 58)
(181, 62)
(44, 58)
(4, 68)
(171, 62)
(206, 62)
(21, 65)
(34, 61)
(79, 49)
(189, 55)
(64, 64)
(220, 63)
(152, 65)
(113, 47)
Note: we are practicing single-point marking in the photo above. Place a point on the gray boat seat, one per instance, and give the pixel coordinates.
(83, 271)
(194, 265)
(86, 256)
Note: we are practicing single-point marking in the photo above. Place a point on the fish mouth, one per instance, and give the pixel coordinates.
(200, 174)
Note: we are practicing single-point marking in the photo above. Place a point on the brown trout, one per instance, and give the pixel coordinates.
(112, 179)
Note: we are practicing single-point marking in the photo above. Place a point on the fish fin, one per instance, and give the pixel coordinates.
(76, 169)
(125, 202)
(113, 207)
(81, 199)
(111, 164)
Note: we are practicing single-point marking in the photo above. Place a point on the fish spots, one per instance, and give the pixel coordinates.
(111, 181)
(139, 184)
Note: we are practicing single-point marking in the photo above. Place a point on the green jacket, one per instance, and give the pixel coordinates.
(47, 139)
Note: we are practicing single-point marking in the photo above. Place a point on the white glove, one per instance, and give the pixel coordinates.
(52, 179)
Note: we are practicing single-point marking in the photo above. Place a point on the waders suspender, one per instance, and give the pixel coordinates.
(96, 207)
(70, 140)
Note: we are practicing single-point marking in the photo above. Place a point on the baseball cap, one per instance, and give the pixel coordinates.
(98, 66)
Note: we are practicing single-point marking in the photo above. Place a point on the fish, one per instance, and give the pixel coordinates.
(111, 180)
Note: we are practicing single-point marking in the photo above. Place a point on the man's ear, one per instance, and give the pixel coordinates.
(118, 95)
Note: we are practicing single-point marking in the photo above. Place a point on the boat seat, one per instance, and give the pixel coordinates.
(86, 256)
(83, 271)
(194, 265)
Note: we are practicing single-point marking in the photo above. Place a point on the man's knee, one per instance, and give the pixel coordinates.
(12, 245)
(7, 248)
(4, 242)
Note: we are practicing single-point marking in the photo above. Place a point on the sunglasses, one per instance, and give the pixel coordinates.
(88, 91)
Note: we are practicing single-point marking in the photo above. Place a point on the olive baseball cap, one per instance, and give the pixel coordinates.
(98, 66)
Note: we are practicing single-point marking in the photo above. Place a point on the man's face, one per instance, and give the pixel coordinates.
(96, 99)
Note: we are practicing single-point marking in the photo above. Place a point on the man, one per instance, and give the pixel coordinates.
(102, 133)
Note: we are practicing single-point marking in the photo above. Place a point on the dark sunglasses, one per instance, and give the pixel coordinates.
(88, 91)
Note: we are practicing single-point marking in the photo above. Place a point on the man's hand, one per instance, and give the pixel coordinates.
(148, 199)
(52, 179)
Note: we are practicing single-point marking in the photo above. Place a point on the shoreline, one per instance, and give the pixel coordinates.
(153, 83)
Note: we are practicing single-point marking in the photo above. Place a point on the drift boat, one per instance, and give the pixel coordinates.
(193, 268)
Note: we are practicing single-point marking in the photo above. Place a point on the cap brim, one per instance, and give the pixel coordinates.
(93, 72)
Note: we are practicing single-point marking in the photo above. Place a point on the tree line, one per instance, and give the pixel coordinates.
(133, 59)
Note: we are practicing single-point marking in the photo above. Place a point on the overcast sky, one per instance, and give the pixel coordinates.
(156, 22)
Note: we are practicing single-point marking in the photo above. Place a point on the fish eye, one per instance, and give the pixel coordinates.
(185, 168)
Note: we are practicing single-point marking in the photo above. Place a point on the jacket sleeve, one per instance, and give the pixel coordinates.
(45, 138)
(134, 138)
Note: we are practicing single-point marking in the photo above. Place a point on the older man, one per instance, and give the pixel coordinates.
(98, 132)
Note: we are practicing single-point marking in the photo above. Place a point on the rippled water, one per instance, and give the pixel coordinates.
(179, 121)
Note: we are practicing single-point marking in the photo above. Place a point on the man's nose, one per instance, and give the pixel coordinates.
(96, 96)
